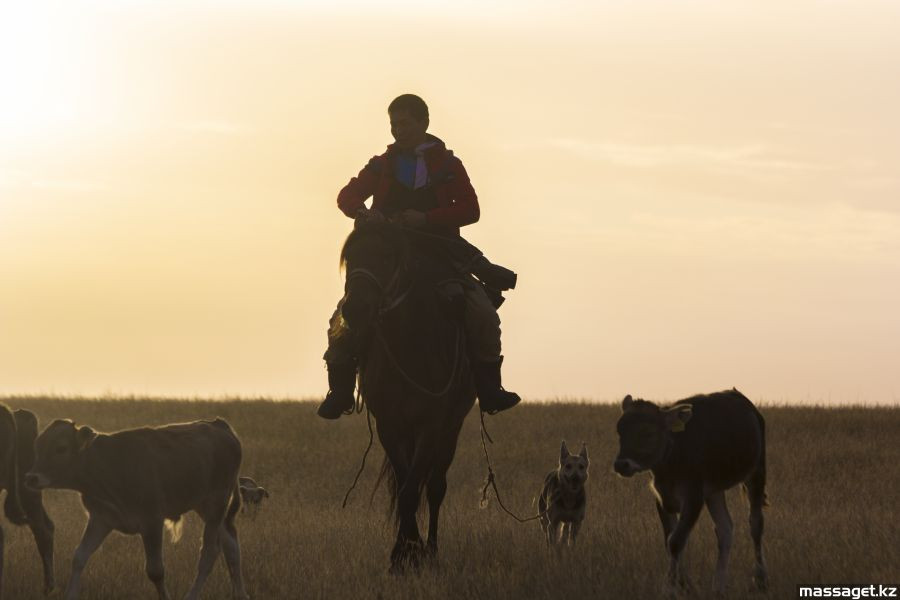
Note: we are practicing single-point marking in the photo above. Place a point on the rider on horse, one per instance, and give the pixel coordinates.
(421, 185)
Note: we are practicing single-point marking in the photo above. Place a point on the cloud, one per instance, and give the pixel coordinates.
(10, 179)
(747, 159)
(830, 234)
(68, 185)
(226, 128)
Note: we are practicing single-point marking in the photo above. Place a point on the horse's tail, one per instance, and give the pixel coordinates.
(387, 474)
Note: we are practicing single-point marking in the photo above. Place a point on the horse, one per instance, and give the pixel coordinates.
(414, 373)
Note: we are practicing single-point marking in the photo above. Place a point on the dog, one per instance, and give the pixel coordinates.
(563, 499)
(251, 494)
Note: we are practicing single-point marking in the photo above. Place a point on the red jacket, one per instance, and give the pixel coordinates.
(456, 199)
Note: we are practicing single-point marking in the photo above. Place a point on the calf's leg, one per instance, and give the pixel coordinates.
(2, 542)
(152, 539)
(760, 573)
(232, 551)
(94, 534)
(718, 510)
(668, 521)
(42, 529)
(212, 545)
(690, 511)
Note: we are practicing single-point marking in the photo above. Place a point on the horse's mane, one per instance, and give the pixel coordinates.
(390, 233)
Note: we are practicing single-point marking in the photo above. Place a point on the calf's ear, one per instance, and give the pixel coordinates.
(84, 437)
(677, 416)
(626, 403)
(563, 451)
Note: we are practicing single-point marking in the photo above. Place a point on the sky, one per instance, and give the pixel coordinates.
(696, 195)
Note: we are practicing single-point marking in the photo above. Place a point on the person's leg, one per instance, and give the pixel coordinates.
(483, 333)
(341, 362)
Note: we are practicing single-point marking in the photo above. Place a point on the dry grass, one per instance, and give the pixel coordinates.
(833, 483)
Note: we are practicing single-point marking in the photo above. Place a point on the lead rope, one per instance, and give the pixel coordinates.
(362, 466)
(491, 480)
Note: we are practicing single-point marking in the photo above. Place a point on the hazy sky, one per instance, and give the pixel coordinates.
(696, 195)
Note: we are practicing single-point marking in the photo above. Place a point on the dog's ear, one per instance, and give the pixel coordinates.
(563, 452)
(583, 453)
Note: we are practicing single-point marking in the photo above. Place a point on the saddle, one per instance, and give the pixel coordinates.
(456, 257)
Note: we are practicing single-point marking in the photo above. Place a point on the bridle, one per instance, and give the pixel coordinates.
(389, 299)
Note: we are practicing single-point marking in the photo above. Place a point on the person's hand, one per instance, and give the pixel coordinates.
(412, 218)
(366, 215)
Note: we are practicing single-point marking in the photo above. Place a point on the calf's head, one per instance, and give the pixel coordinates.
(645, 432)
(573, 468)
(56, 452)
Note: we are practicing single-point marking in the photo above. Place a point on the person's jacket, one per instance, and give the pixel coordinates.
(457, 204)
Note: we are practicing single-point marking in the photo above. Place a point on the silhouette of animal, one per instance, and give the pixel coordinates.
(136, 480)
(414, 375)
(695, 450)
(563, 500)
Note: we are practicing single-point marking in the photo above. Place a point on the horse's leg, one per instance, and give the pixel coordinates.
(397, 457)
(436, 489)
(437, 483)
(409, 541)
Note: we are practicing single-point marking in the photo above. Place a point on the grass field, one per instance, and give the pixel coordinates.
(834, 486)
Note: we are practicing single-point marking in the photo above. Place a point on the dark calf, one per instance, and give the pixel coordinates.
(696, 450)
(23, 506)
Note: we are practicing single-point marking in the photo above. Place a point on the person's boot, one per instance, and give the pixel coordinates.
(491, 396)
(341, 384)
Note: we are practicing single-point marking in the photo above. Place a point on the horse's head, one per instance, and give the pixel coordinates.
(375, 256)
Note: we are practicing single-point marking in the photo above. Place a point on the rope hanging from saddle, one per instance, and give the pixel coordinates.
(362, 465)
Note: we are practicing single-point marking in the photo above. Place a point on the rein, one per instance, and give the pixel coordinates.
(454, 372)
(391, 304)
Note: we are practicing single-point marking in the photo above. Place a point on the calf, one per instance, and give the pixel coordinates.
(696, 450)
(134, 481)
(23, 506)
(252, 494)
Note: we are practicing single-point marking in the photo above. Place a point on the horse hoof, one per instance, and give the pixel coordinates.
(407, 557)
(760, 582)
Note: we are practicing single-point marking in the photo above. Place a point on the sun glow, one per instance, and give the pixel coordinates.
(722, 213)
(43, 87)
